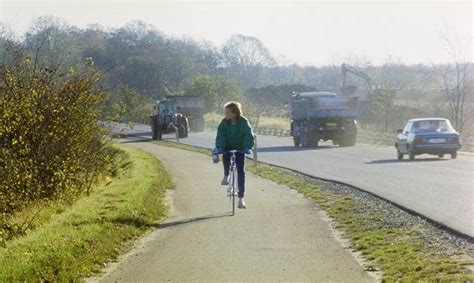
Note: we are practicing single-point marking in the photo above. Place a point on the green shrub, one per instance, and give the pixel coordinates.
(51, 144)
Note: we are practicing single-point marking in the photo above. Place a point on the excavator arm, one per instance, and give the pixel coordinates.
(345, 68)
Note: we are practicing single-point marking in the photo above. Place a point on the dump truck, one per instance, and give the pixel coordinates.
(193, 108)
(166, 119)
(322, 116)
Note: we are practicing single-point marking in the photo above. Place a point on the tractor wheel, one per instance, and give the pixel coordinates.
(181, 131)
(186, 129)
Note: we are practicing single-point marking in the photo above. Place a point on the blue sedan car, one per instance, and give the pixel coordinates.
(433, 136)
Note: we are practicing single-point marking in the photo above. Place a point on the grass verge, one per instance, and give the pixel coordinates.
(397, 251)
(75, 241)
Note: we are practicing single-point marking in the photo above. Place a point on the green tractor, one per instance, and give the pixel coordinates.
(166, 118)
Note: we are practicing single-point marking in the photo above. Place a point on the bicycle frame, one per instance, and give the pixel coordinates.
(232, 177)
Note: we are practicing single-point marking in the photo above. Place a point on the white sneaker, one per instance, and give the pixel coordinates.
(242, 203)
(224, 181)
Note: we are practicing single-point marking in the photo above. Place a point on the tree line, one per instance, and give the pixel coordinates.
(141, 64)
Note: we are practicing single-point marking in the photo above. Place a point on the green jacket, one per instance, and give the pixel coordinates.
(236, 136)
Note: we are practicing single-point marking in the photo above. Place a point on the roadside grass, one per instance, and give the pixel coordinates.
(397, 252)
(70, 242)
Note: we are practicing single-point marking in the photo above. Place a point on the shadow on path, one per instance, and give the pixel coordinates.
(390, 161)
(138, 222)
(290, 148)
(135, 134)
(136, 140)
(194, 219)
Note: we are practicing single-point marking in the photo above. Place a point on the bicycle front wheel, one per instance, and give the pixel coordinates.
(233, 192)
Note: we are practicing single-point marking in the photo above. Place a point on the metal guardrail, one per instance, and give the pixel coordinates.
(263, 131)
(375, 138)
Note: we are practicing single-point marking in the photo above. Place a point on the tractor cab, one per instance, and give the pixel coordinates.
(165, 111)
(164, 107)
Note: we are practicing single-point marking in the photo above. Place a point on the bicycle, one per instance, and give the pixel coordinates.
(233, 189)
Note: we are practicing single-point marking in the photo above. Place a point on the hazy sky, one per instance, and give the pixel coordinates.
(308, 32)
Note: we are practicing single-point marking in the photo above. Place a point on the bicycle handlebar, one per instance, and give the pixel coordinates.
(234, 151)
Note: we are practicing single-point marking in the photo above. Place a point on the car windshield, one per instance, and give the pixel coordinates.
(429, 126)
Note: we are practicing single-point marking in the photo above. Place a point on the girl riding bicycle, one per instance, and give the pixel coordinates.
(235, 133)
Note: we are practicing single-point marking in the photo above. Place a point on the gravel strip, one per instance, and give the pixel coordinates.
(436, 237)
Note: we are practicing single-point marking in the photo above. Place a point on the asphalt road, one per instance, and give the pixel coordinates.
(441, 190)
(280, 237)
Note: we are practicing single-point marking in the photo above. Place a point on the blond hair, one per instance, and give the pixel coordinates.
(235, 107)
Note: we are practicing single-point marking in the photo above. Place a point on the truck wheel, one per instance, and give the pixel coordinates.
(352, 140)
(399, 155)
(313, 141)
(348, 141)
(454, 154)
(343, 142)
(316, 142)
(296, 141)
(304, 140)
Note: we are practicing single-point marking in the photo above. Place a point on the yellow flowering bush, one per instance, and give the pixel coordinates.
(51, 145)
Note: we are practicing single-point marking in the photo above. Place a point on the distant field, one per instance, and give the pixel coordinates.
(264, 122)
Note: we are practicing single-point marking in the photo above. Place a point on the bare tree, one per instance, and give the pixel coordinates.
(456, 81)
(246, 58)
(392, 80)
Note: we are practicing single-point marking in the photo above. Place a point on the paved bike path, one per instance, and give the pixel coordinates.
(281, 236)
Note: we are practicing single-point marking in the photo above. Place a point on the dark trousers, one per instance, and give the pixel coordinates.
(240, 162)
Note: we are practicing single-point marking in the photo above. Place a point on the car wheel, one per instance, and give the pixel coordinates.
(454, 155)
(411, 155)
(440, 155)
(399, 155)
